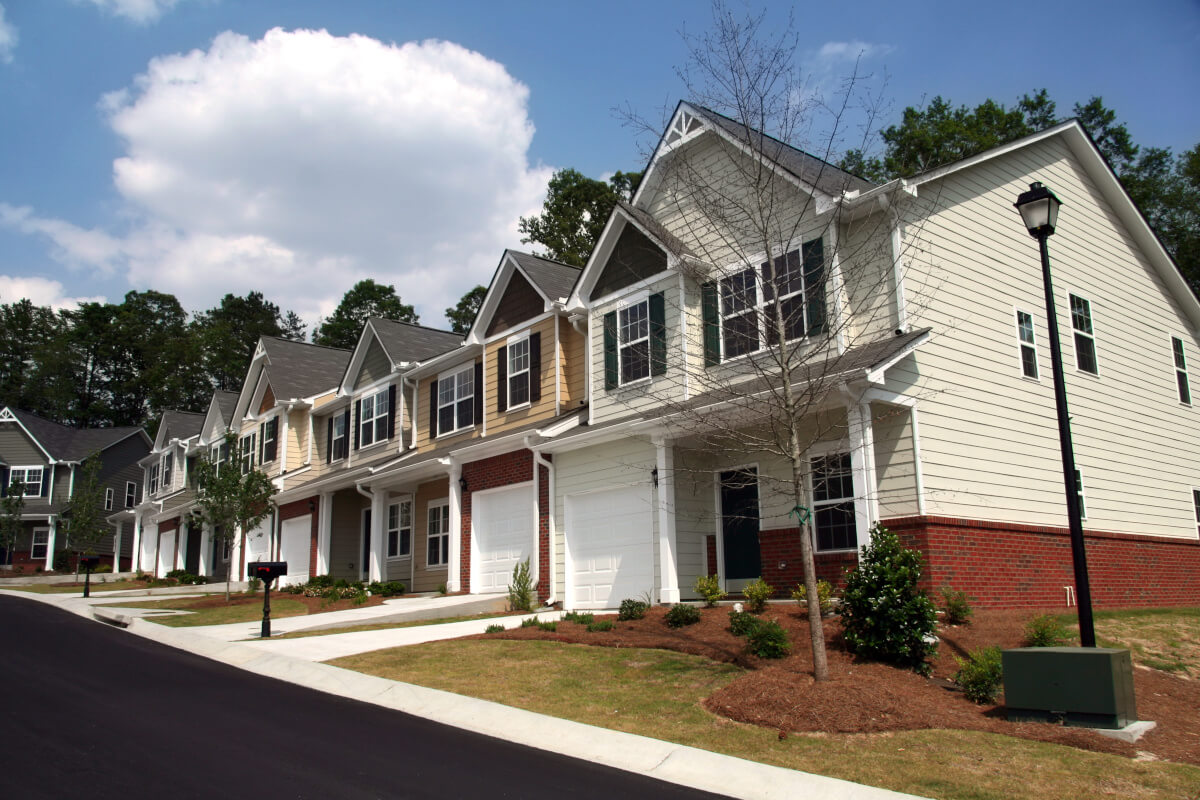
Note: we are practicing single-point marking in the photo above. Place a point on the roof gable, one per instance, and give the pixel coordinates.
(547, 283)
(221, 409)
(64, 443)
(520, 302)
(648, 250)
(404, 343)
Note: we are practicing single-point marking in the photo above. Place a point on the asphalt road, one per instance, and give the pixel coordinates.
(94, 712)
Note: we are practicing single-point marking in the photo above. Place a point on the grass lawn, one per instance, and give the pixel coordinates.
(73, 588)
(1159, 638)
(657, 693)
(383, 626)
(206, 613)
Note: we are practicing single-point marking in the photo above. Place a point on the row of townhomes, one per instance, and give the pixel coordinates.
(626, 427)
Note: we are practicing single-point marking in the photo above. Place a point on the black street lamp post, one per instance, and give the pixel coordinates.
(1039, 210)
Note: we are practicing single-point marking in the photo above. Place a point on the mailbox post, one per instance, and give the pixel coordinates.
(88, 563)
(266, 571)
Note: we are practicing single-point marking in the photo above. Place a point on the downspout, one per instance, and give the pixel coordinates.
(540, 460)
(412, 416)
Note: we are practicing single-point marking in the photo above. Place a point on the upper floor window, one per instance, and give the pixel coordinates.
(168, 461)
(373, 418)
(518, 372)
(219, 454)
(399, 529)
(337, 437)
(108, 499)
(130, 494)
(269, 440)
(1029, 359)
(635, 342)
(30, 479)
(152, 479)
(1079, 494)
(1085, 337)
(456, 400)
(1196, 503)
(833, 502)
(246, 452)
(1181, 374)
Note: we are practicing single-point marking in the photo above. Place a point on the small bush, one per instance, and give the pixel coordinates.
(579, 618)
(548, 625)
(958, 606)
(768, 640)
(632, 609)
(824, 595)
(388, 589)
(682, 614)
(494, 629)
(442, 589)
(292, 588)
(600, 625)
(61, 562)
(520, 590)
(709, 587)
(885, 614)
(359, 597)
(742, 623)
(320, 581)
(176, 573)
(530, 622)
(980, 675)
(757, 593)
(1046, 631)
(102, 569)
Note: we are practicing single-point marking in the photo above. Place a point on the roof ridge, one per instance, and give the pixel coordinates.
(306, 344)
(412, 325)
(554, 261)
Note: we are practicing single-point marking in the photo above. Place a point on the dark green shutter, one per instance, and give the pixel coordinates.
(502, 380)
(658, 334)
(433, 409)
(478, 393)
(814, 286)
(391, 424)
(356, 420)
(610, 350)
(535, 367)
(712, 324)
(329, 440)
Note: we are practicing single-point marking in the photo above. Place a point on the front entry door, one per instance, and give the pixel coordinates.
(739, 527)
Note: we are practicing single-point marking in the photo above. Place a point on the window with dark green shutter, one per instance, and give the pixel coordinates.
(712, 324)
(658, 333)
(610, 350)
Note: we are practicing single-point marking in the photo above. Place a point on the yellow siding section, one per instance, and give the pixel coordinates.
(543, 409)
(573, 365)
(424, 578)
(297, 442)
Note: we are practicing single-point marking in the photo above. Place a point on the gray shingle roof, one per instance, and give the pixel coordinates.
(182, 424)
(65, 443)
(299, 369)
(407, 342)
(554, 279)
(804, 166)
(226, 403)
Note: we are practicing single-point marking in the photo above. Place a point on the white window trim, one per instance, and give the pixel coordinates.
(1081, 491)
(33, 544)
(109, 498)
(130, 493)
(820, 450)
(1093, 335)
(166, 462)
(361, 422)
(245, 453)
(1181, 371)
(24, 481)
(1022, 344)
(399, 528)
(454, 373)
(754, 265)
(632, 302)
(528, 371)
(262, 445)
(152, 478)
(333, 459)
(432, 504)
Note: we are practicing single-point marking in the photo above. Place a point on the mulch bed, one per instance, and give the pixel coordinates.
(867, 697)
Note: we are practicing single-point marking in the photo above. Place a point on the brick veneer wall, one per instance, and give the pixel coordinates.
(1006, 565)
(493, 473)
(299, 508)
(782, 546)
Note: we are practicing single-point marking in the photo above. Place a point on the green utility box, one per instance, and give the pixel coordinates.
(1090, 687)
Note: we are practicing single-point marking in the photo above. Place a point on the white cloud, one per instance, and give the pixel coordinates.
(836, 52)
(141, 12)
(40, 292)
(8, 38)
(301, 163)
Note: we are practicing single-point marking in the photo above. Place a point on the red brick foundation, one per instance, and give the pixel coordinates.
(299, 508)
(1008, 565)
(781, 566)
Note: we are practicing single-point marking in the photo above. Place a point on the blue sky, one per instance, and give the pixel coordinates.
(294, 147)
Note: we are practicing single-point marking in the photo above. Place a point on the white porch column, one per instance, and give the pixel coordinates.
(862, 460)
(181, 537)
(205, 566)
(135, 563)
(117, 547)
(237, 570)
(454, 563)
(324, 531)
(668, 551)
(378, 524)
(50, 542)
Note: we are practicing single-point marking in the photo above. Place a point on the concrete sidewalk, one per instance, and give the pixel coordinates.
(687, 766)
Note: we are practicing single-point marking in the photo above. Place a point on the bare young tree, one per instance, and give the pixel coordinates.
(790, 281)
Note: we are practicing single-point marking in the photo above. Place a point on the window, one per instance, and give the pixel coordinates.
(518, 372)
(168, 460)
(108, 499)
(437, 553)
(246, 453)
(338, 441)
(1029, 359)
(30, 479)
(1181, 375)
(219, 454)
(833, 502)
(1079, 493)
(739, 314)
(399, 529)
(269, 433)
(456, 401)
(152, 480)
(373, 419)
(41, 543)
(1085, 338)
(130, 494)
(1196, 503)
(633, 341)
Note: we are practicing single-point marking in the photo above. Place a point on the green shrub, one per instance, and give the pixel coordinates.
(682, 614)
(885, 615)
(958, 606)
(442, 589)
(600, 625)
(824, 595)
(359, 597)
(102, 569)
(709, 587)
(632, 609)
(177, 573)
(980, 675)
(768, 639)
(292, 588)
(580, 618)
(494, 629)
(61, 562)
(252, 585)
(1046, 631)
(757, 593)
(520, 590)
(388, 589)
(529, 622)
(548, 625)
(320, 581)
(742, 623)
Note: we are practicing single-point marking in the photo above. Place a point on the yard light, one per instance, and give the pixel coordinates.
(1039, 211)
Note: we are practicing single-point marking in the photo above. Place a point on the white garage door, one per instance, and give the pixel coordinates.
(166, 553)
(502, 534)
(146, 561)
(295, 547)
(609, 547)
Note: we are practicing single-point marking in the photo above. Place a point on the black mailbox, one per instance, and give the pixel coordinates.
(266, 571)
(89, 562)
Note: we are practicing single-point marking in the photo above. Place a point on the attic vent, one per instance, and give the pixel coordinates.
(682, 126)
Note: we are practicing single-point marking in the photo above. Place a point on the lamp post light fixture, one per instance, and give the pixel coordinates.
(1039, 210)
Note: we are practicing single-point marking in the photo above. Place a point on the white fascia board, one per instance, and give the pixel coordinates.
(346, 386)
(438, 364)
(600, 253)
(875, 375)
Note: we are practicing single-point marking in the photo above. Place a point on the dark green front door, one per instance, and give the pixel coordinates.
(739, 525)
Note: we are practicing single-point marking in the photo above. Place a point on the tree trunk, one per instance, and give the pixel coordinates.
(816, 626)
(228, 570)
